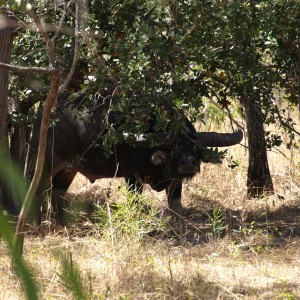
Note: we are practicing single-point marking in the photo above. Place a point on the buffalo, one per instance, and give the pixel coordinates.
(162, 159)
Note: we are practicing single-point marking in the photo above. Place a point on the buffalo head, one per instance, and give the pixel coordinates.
(184, 150)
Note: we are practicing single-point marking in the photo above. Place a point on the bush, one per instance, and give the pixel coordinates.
(130, 217)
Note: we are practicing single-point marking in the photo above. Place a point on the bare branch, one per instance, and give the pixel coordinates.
(283, 123)
(232, 120)
(76, 53)
(40, 26)
(69, 10)
(21, 69)
(83, 18)
(61, 22)
(10, 21)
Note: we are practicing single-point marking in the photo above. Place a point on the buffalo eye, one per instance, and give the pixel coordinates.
(159, 158)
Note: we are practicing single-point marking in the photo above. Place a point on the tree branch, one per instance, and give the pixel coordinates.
(42, 30)
(61, 22)
(21, 69)
(283, 123)
(232, 120)
(76, 51)
(40, 27)
(49, 104)
(27, 204)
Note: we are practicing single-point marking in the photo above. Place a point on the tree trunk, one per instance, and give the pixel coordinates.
(6, 44)
(259, 179)
(5, 57)
(299, 70)
(19, 137)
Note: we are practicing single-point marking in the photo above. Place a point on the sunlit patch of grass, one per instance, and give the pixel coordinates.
(136, 216)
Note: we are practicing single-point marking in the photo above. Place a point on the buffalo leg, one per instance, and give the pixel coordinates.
(174, 201)
(174, 197)
(44, 187)
(61, 183)
(136, 188)
(134, 184)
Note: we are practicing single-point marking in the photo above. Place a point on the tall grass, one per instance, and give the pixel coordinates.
(136, 216)
(131, 218)
(13, 179)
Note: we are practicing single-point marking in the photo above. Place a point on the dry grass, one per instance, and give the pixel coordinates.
(258, 258)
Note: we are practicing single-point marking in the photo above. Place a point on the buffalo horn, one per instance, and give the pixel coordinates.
(215, 139)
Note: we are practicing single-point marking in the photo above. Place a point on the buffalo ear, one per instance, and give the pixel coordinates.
(159, 158)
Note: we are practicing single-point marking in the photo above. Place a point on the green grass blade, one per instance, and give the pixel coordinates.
(13, 178)
(72, 279)
(22, 271)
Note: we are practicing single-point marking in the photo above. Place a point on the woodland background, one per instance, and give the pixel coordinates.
(225, 64)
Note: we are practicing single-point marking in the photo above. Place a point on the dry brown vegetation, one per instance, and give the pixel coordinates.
(257, 255)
